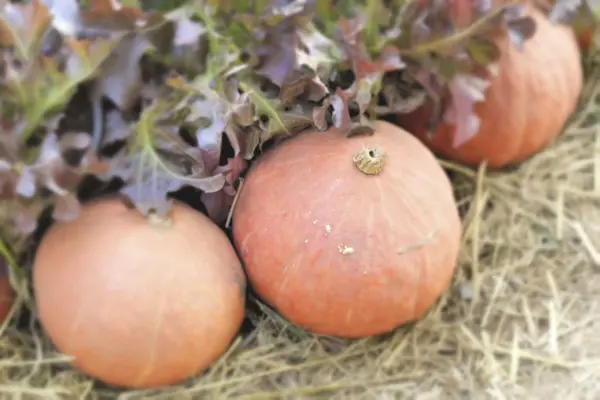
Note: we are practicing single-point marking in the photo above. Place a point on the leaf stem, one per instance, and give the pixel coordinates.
(453, 40)
(10, 259)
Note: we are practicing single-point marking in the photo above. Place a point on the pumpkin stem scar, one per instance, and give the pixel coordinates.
(370, 160)
(158, 221)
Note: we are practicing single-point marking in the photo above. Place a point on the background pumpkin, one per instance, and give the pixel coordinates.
(585, 39)
(6, 292)
(344, 253)
(137, 304)
(526, 106)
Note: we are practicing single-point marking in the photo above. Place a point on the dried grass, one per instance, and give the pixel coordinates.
(520, 321)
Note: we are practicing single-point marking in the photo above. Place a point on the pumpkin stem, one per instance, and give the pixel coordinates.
(370, 160)
(159, 221)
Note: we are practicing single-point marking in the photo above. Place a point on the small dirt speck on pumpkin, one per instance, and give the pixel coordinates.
(346, 250)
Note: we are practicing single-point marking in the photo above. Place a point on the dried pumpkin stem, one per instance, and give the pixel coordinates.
(159, 221)
(370, 160)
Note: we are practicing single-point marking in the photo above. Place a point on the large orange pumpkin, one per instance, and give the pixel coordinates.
(348, 237)
(137, 303)
(7, 293)
(527, 103)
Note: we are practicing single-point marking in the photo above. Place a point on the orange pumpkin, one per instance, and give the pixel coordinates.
(526, 105)
(138, 303)
(348, 237)
(7, 293)
(585, 39)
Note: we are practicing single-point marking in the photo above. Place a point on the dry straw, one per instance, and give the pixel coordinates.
(522, 319)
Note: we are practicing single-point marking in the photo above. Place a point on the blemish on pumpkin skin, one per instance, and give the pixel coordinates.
(349, 316)
(241, 283)
(346, 250)
(328, 228)
(419, 244)
(154, 336)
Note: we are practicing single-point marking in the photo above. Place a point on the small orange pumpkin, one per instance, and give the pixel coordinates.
(7, 293)
(585, 39)
(348, 237)
(526, 106)
(139, 304)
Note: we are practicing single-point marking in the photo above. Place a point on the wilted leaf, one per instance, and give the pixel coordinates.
(341, 113)
(41, 91)
(266, 107)
(348, 35)
(120, 78)
(363, 66)
(158, 162)
(65, 15)
(150, 178)
(235, 135)
(8, 179)
(279, 59)
(363, 94)
(252, 141)
(26, 183)
(241, 107)
(295, 119)
(116, 128)
(104, 16)
(466, 91)
(74, 141)
(317, 90)
(87, 56)
(187, 32)
(564, 11)
(24, 218)
(211, 115)
(218, 203)
(390, 60)
(66, 207)
(50, 168)
(22, 25)
(400, 96)
(315, 50)
(483, 51)
(520, 29)
(320, 115)
(182, 42)
(210, 140)
(294, 86)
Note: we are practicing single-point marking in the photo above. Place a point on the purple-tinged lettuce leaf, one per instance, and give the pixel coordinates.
(218, 203)
(465, 92)
(156, 163)
(341, 113)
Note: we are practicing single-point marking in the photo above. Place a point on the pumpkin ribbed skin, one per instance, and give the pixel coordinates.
(342, 253)
(526, 106)
(139, 305)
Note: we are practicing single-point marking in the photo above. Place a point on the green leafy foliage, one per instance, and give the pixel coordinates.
(160, 99)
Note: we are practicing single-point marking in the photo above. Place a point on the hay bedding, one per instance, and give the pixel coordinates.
(521, 320)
